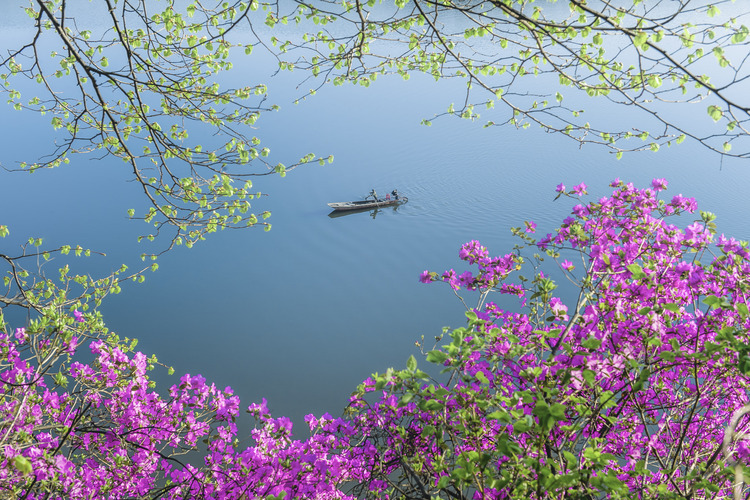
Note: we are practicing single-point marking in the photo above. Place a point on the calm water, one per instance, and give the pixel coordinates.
(302, 314)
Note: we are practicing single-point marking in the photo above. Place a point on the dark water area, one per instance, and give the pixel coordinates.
(303, 313)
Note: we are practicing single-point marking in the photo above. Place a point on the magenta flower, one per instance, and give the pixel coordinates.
(21, 334)
(473, 252)
(659, 184)
(580, 189)
(682, 203)
(466, 280)
(450, 278)
(530, 226)
(78, 315)
(581, 211)
(560, 188)
(559, 309)
(671, 399)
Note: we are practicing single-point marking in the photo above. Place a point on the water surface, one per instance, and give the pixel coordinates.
(301, 314)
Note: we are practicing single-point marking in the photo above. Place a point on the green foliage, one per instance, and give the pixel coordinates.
(25, 286)
(624, 53)
(148, 85)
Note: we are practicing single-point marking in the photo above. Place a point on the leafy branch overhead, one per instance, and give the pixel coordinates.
(24, 284)
(137, 80)
(540, 60)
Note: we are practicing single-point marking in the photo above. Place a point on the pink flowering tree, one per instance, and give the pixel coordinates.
(633, 387)
(71, 427)
(99, 430)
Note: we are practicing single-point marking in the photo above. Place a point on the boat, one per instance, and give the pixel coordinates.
(367, 204)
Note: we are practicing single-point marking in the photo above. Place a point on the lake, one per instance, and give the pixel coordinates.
(301, 314)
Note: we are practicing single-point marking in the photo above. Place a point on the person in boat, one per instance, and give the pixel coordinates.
(395, 193)
(372, 194)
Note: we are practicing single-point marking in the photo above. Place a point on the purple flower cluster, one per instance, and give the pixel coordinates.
(639, 389)
(637, 383)
(107, 434)
(490, 270)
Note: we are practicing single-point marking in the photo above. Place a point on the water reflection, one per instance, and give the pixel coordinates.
(304, 313)
(373, 211)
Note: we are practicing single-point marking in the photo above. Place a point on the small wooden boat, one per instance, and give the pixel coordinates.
(366, 204)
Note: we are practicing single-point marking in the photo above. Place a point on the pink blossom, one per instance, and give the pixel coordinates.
(659, 184)
(21, 334)
(559, 309)
(580, 189)
(649, 375)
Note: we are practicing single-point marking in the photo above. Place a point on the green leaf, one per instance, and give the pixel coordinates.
(742, 309)
(667, 356)
(640, 39)
(437, 357)
(406, 398)
(460, 473)
(671, 307)
(741, 34)
(498, 415)
(715, 113)
(280, 496)
(443, 482)
(712, 301)
(637, 271)
(707, 216)
(411, 363)
(557, 410)
(431, 405)
(521, 426)
(592, 343)
(22, 464)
